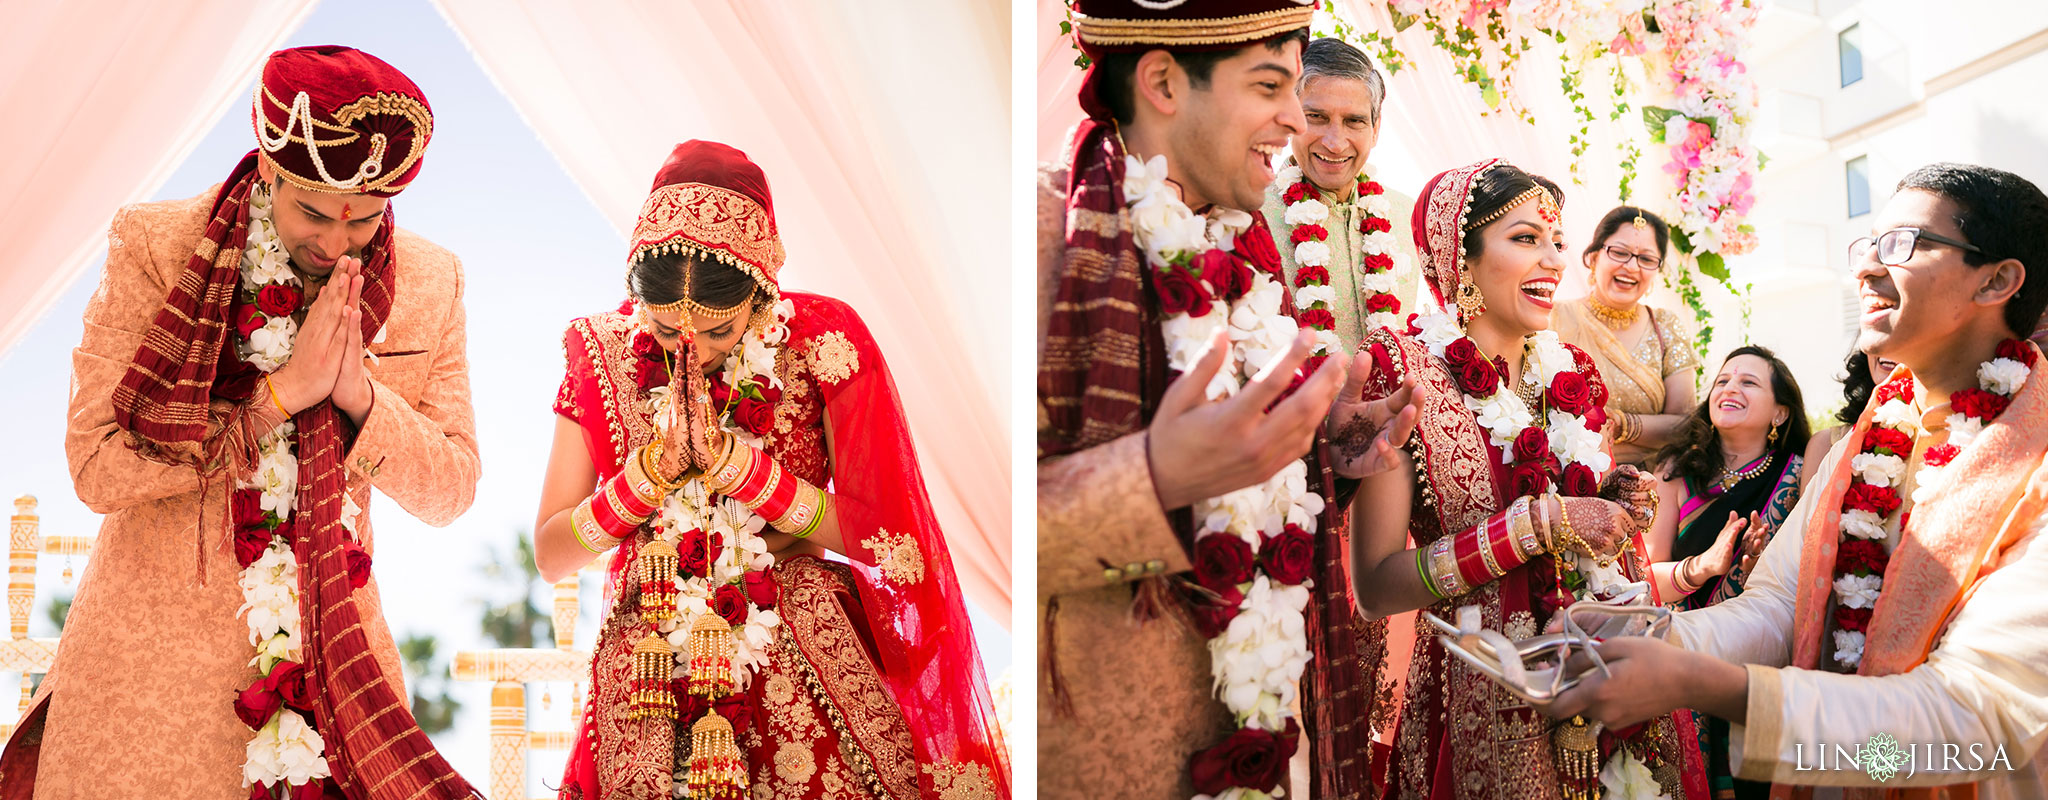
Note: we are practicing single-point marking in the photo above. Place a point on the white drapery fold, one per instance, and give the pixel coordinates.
(104, 101)
(883, 128)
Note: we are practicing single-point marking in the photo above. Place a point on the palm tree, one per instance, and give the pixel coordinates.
(519, 619)
(432, 707)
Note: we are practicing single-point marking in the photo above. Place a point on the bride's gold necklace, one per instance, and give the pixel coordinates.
(1613, 318)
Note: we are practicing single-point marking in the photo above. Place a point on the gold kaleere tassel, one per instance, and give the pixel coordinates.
(712, 649)
(717, 772)
(657, 581)
(1578, 759)
(653, 685)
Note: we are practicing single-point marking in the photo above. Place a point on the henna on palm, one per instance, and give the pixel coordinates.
(1354, 437)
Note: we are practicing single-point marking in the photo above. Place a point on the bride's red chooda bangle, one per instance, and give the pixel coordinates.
(789, 503)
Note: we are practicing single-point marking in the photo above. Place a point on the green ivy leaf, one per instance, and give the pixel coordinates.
(1066, 28)
(1401, 21)
(1714, 266)
(1491, 95)
(1761, 160)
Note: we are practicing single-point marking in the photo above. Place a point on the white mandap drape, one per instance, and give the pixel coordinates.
(103, 103)
(883, 127)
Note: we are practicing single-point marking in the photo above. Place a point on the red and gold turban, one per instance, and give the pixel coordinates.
(337, 119)
(1103, 27)
(711, 201)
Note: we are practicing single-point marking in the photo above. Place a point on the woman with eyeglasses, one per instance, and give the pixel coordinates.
(1645, 356)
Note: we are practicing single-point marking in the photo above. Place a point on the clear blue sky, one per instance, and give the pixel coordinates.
(535, 254)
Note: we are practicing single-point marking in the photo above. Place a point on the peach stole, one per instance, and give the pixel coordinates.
(1945, 551)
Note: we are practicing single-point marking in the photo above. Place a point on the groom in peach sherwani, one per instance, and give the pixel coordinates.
(156, 691)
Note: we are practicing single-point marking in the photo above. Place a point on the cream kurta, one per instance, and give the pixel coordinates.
(1344, 258)
(1986, 681)
(140, 698)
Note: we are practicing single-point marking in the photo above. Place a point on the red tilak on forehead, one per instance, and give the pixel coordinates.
(346, 210)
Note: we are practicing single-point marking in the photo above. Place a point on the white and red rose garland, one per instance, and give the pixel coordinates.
(723, 564)
(1313, 296)
(287, 752)
(1870, 507)
(1253, 547)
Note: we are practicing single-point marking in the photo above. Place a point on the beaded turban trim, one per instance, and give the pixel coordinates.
(1109, 32)
(341, 121)
(710, 222)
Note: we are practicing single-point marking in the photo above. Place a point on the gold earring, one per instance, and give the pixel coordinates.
(1470, 302)
(1772, 440)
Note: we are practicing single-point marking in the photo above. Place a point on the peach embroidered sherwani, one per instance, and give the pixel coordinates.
(1985, 682)
(140, 699)
(1140, 692)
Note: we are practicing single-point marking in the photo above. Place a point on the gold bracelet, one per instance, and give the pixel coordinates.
(1571, 537)
(650, 464)
(1523, 529)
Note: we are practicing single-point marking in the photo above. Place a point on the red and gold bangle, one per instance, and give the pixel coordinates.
(804, 512)
(1522, 528)
(586, 530)
(1468, 547)
(734, 471)
(1443, 569)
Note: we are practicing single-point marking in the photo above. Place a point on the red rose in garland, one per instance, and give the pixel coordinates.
(1308, 233)
(278, 300)
(1183, 293)
(358, 565)
(1289, 557)
(1319, 318)
(730, 604)
(1223, 560)
(762, 589)
(1228, 275)
(1879, 500)
(1461, 352)
(248, 319)
(1578, 481)
(1250, 758)
(758, 416)
(1528, 479)
(1531, 445)
(1571, 393)
(255, 704)
(288, 679)
(1309, 275)
(1478, 379)
(692, 553)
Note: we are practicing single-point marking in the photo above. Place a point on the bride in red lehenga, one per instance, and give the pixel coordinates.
(740, 439)
(1503, 471)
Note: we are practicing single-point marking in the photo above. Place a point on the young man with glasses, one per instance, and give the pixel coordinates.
(1907, 593)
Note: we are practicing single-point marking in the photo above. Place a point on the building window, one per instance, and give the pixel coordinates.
(1850, 43)
(1858, 171)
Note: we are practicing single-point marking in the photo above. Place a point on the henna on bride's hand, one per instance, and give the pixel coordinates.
(1354, 437)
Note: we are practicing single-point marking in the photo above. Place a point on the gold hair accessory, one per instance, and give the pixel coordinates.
(1548, 209)
(690, 304)
(1639, 222)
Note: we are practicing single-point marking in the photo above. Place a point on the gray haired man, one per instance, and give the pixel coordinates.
(1364, 241)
